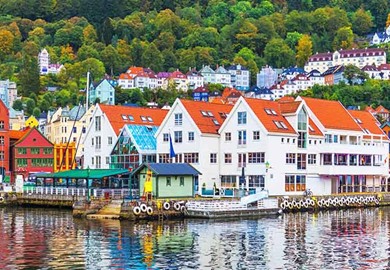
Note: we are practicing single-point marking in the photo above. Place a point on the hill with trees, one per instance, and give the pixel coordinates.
(106, 37)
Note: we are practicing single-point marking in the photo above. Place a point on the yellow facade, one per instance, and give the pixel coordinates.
(64, 154)
(31, 122)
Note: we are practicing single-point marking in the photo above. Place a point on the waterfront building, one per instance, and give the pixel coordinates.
(240, 77)
(167, 180)
(4, 143)
(189, 134)
(64, 156)
(291, 145)
(32, 153)
(106, 123)
(356, 57)
(103, 91)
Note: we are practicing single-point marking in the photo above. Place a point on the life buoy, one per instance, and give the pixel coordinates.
(1, 200)
(283, 205)
(137, 210)
(176, 206)
(166, 205)
(290, 205)
(319, 203)
(182, 208)
(144, 207)
(149, 210)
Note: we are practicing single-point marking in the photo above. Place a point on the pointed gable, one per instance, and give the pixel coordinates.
(289, 107)
(33, 138)
(209, 117)
(314, 129)
(270, 115)
(121, 115)
(331, 114)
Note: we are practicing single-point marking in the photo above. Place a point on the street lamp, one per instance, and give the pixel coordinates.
(267, 166)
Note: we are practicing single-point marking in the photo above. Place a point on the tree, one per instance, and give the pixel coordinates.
(343, 38)
(354, 74)
(388, 21)
(89, 34)
(36, 112)
(6, 43)
(110, 58)
(29, 76)
(152, 58)
(18, 105)
(278, 54)
(304, 50)
(30, 105)
(362, 22)
(293, 38)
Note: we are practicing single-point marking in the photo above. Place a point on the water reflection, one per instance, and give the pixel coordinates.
(52, 239)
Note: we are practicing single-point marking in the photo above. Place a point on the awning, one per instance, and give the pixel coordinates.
(84, 173)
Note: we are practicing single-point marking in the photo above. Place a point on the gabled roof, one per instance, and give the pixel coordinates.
(177, 75)
(313, 129)
(201, 89)
(125, 76)
(17, 134)
(119, 115)
(384, 67)
(271, 121)
(321, 57)
(289, 106)
(134, 70)
(367, 121)
(381, 109)
(333, 70)
(331, 114)
(162, 169)
(216, 114)
(143, 136)
(27, 134)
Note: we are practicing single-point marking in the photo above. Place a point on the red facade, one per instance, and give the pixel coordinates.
(4, 142)
(33, 153)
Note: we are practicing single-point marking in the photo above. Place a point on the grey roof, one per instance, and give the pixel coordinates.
(169, 168)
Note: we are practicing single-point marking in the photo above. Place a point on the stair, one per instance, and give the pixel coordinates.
(110, 211)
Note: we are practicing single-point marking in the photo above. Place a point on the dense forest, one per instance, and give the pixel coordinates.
(106, 37)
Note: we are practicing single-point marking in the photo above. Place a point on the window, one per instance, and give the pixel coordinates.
(168, 181)
(93, 141)
(124, 117)
(228, 158)
(242, 137)
(47, 151)
(241, 160)
(312, 159)
(215, 121)
(210, 114)
(107, 160)
(204, 113)
(191, 136)
(302, 139)
(182, 181)
(84, 129)
(98, 123)
(340, 159)
(290, 158)
(98, 162)
(98, 142)
(131, 118)
(2, 155)
(289, 183)
(295, 183)
(34, 151)
(228, 181)
(300, 181)
(241, 118)
(109, 140)
(150, 119)
(165, 137)
(163, 158)
(178, 136)
(178, 119)
(92, 160)
(335, 138)
(301, 161)
(213, 158)
(353, 160)
(22, 151)
(191, 157)
(143, 118)
(256, 135)
(21, 162)
(256, 157)
(327, 159)
(74, 129)
(2, 125)
(228, 136)
(328, 138)
(256, 181)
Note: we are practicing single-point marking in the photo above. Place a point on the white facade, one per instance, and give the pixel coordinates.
(240, 77)
(266, 77)
(222, 76)
(194, 80)
(98, 141)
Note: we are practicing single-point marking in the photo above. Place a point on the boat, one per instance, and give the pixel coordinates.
(254, 205)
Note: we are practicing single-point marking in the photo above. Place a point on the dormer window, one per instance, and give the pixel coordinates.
(124, 117)
(150, 119)
(143, 118)
(216, 122)
(268, 111)
(131, 118)
(210, 114)
(204, 113)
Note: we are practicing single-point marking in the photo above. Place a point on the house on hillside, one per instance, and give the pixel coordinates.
(102, 91)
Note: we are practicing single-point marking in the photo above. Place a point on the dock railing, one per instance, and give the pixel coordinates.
(228, 205)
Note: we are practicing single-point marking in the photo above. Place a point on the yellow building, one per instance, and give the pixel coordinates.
(31, 122)
(64, 156)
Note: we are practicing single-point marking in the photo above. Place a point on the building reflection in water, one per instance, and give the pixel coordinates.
(344, 239)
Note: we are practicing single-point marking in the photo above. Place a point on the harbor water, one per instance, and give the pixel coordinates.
(36, 238)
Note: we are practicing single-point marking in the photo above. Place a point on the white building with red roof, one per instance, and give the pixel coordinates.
(356, 57)
(106, 124)
(193, 127)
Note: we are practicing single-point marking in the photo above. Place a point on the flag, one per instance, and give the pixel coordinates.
(172, 153)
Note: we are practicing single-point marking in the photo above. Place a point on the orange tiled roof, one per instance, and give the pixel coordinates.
(206, 123)
(114, 115)
(217, 100)
(259, 107)
(315, 130)
(17, 134)
(135, 70)
(381, 109)
(125, 76)
(367, 121)
(288, 107)
(331, 114)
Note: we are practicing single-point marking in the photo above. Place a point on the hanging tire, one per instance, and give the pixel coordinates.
(283, 205)
(176, 206)
(166, 205)
(137, 210)
(2, 199)
(144, 208)
(182, 208)
(149, 210)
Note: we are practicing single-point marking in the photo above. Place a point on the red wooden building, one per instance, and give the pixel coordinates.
(4, 143)
(32, 153)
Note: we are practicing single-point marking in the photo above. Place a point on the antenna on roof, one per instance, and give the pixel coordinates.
(87, 93)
